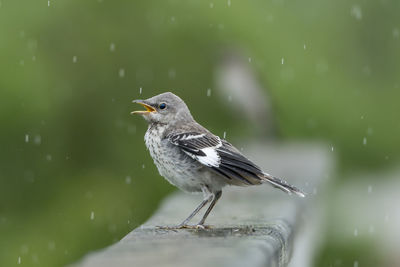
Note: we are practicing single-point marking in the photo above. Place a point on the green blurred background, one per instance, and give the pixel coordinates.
(74, 172)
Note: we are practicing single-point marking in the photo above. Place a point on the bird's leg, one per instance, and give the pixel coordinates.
(216, 196)
(202, 204)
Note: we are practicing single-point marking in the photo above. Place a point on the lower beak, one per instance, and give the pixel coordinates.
(147, 107)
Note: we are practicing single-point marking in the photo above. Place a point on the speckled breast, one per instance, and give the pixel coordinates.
(175, 166)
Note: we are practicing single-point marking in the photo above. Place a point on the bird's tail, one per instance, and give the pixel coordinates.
(283, 185)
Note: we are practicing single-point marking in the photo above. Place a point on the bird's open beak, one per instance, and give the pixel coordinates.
(147, 106)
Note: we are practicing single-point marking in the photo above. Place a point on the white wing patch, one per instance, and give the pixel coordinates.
(211, 159)
(201, 147)
(189, 137)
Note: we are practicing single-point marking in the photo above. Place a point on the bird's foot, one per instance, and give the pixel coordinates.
(196, 226)
(184, 226)
(172, 227)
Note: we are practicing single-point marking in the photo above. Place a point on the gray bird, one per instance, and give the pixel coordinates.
(195, 160)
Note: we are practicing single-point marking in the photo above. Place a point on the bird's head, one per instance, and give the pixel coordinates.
(165, 108)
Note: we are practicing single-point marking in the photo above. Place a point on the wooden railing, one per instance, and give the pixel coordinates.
(250, 226)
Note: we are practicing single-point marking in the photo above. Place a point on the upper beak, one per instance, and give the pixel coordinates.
(147, 106)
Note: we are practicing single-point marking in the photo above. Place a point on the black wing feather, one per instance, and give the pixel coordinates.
(232, 165)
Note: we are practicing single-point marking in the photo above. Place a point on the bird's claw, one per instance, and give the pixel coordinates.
(197, 226)
(185, 226)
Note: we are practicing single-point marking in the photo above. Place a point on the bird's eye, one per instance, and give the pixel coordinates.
(162, 106)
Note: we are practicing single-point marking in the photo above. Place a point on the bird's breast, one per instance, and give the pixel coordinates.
(175, 166)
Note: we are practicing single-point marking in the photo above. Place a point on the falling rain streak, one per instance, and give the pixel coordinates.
(112, 47)
(121, 73)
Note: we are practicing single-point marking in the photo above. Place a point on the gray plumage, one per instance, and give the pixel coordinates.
(192, 158)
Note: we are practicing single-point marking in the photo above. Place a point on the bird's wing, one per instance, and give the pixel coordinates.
(219, 156)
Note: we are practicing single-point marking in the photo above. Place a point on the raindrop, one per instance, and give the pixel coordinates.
(128, 179)
(143, 166)
(89, 195)
(229, 3)
(33, 58)
(49, 157)
(172, 19)
(74, 59)
(365, 141)
(249, 59)
(367, 70)
(92, 216)
(332, 148)
(230, 98)
(356, 12)
(19, 260)
(24, 249)
(304, 46)
(112, 47)
(211, 5)
(29, 176)
(51, 245)
(311, 123)
(321, 66)
(140, 90)
(315, 191)
(22, 62)
(35, 258)
(386, 218)
(172, 73)
(224, 135)
(369, 189)
(282, 61)
(355, 264)
(26, 138)
(37, 140)
(370, 131)
(396, 33)
(371, 229)
(131, 129)
(208, 92)
(362, 117)
(355, 232)
(112, 228)
(48, 3)
(121, 73)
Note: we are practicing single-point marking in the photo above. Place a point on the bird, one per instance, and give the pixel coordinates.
(195, 160)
